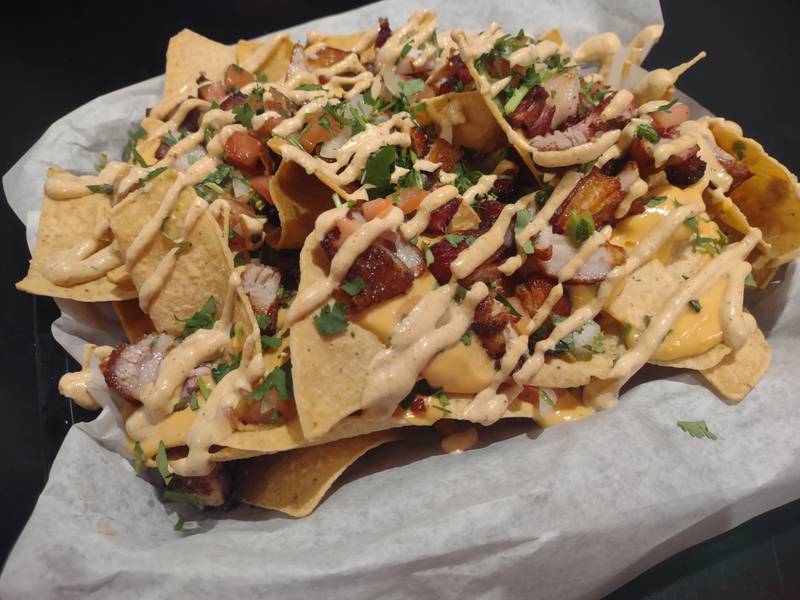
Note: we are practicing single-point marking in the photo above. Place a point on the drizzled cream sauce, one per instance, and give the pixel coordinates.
(76, 385)
(433, 325)
(436, 199)
(65, 186)
(317, 294)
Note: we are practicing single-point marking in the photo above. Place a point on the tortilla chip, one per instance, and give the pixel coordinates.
(347, 42)
(473, 125)
(561, 373)
(706, 360)
(134, 322)
(300, 198)
(741, 370)
(465, 218)
(295, 482)
(200, 271)
(460, 38)
(770, 199)
(62, 225)
(276, 60)
(188, 54)
(146, 147)
(695, 336)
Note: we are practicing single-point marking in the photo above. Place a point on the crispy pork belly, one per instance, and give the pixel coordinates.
(261, 284)
(595, 269)
(595, 193)
(131, 366)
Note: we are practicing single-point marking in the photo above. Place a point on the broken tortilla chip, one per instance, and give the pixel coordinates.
(741, 370)
(134, 322)
(295, 482)
(463, 119)
(200, 271)
(270, 58)
(62, 225)
(300, 198)
(189, 54)
(770, 199)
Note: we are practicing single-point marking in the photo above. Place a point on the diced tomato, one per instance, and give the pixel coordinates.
(664, 119)
(410, 198)
(315, 133)
(213, 92)
(418, 405)
(347, 227)
(236, 77)
(243, 151)
(374, 208)
(260, 184)
(265, 131)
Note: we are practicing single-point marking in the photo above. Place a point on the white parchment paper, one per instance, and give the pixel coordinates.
(570, 512)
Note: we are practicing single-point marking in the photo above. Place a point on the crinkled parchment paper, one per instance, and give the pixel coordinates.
(570, 512)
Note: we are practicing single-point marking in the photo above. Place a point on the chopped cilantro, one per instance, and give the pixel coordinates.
(624, 333)
(193, 404)
(543, 195)
(331, 319)
(239, 260)
(263, 321)
(244, 114)
(337, 201)
(202, 319)
(186, 498)
(138, 462)
(152, 175)
(655, 201)
(466, 339)
(325, 123)
(522, 220)
(105, 188)
(169, 139)
(455, 239)
(179, 524)
(461, 293)
(279, 379)
(270, 342)
(163, 463)
(645, 131)
(102, 161)
(696, 429)
(504, 301)
(378, 170)
(309, 87)
(666, 107)
(750, 281)
(134, 135)
(426, 249)
(738, 149)
(695, 304)
(406, 49)
(261, 77)
(222, 369)
(354, 286)
(545, 397)
(205, 392)
(138, 158)
(580, 227)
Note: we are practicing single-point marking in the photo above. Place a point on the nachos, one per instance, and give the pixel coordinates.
(313, 248)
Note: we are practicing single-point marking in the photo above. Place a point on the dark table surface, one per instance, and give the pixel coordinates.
(57, 57)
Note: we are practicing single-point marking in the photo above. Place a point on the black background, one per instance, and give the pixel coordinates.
(57, 57)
